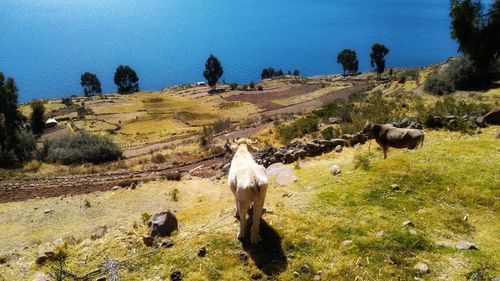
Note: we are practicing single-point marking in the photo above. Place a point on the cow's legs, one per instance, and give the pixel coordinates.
(257, 214)
(243, 209)
(385, 151)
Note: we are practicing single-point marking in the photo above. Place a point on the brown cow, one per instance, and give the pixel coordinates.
(387, 136)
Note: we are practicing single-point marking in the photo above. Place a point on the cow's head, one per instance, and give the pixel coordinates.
(368, 130)
(246, 142)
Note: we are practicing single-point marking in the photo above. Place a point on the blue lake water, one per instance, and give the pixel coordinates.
(47, 44)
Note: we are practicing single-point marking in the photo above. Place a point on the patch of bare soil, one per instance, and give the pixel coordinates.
(263, 99)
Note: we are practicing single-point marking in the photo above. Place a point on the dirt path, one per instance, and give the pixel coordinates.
(20, 189)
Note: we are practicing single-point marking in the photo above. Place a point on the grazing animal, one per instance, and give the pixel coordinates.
(248, 182)
(387, 136)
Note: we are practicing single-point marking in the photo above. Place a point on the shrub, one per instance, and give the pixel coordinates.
(408, 75)
(67, 101)
(260, 88)
(328, 133)
(363, 160)
(438, 85)
(243, 87)
(298, 128)
(158, 158)
(81, 148)
(252, 85)
(233, 86)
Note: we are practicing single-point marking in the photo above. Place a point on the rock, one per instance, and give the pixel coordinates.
(41, 259)
(116, 187)
(167, 244)
(48, 211)
(395, 187)
(412, 232)
(305, 269)
(335, 169)
(465, 245)
(176, 276)
(334, 120)
(257, 276)
(284, 174)
(50, 254)
(133, 185)
(162, 224)
(408, 224)
(99, 232)
(346, 243)
(422, 267)
(492, 117)
(41, 277)
(148, 240)
(296, 274)
(202, 252)
(380, 233)
(317, 277)
(338, 148)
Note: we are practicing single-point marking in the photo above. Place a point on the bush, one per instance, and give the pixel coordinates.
(81, 148)
(328, 133)
(363, 160)
(158, 158)
(299, 128)
(233, 86)
(438, 85)
(260, 88)
(408, 75)
(67, 101)
(252, 85)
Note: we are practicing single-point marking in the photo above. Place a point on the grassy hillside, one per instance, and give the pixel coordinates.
(449, 190)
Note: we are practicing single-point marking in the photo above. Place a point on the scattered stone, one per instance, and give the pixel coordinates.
(395, 187)
(86, 241)
(202, 252)
(99, 232)
(422, 267)
(257, 276)
(162, 224)
(48, 211)
(380, 233)
(50, 254)
(408, 190)
(148, 240)
(3, 259)
(334, 120)
(116, 187)
(176, 276)
(133, 185)
(465, 245)
(242, 256)
(167, 244)
(296, 274)
(59, 242)
(41, 277)
(284, 174)
(41, 259)
(317, 277)
(346, 243)
(412, 232)
(335, 169)
(306, 269)
(338, 148)
(408, 224)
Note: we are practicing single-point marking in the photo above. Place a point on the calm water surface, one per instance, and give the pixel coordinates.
(46, 44)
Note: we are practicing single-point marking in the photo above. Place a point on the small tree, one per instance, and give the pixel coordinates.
(349, 61)
(296, 72)
(213, 71)
(37, 123)
(91, 84)
(377, 58)
(126, 79)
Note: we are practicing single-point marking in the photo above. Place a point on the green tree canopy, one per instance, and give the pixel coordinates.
(91, 84)
(126, 79)
(213, 70)
(377, 58)
(349, 61)
(37, 117)
(476, 30)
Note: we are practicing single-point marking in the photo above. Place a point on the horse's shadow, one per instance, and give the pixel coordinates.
(268, 254)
